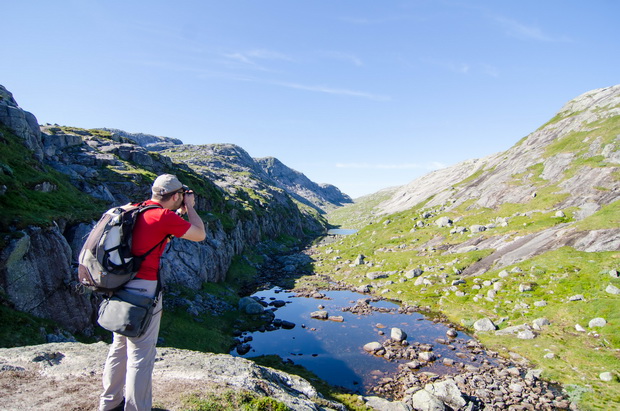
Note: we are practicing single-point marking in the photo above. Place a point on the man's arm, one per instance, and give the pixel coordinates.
(197, 231)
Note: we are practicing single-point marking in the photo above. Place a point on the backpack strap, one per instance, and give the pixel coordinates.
(144, 207)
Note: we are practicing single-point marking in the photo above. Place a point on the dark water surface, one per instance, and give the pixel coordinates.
(333, 350)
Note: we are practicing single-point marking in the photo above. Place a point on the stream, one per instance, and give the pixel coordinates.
(333, 350)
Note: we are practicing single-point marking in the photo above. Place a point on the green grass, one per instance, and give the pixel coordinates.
(20, 329)
(578, 142)
(358, 214)
(231, 400)
(22, 204)
(607, 217)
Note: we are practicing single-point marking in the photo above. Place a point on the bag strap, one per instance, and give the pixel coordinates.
(154, 247)
(144, 207)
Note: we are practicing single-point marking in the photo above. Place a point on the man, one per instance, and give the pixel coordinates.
(130, 360)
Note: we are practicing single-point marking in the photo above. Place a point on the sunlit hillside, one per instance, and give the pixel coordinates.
(543, 244)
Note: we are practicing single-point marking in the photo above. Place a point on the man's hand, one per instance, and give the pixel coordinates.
(189, 199)
(197, 231)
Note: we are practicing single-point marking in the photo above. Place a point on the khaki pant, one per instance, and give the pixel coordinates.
(130, 362)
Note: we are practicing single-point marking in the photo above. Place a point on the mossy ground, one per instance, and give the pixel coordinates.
(231, 400)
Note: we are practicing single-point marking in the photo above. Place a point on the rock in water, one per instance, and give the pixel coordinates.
(398, 335)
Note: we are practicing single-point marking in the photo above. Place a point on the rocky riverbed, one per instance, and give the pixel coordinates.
(427, 380)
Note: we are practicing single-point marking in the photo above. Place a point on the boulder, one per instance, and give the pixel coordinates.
(416, 272)
(423, 400)
(249, 305)
(606, 376)
(398, 335)
(427, 356)
(448, 392)
(612, 289)
(513, 330)
(319, 315)
(374, 275)
(443, 222)
(373, 347)
(597, 322)
(526, 335)
(363, 289)
(539, 323)
(484, 324)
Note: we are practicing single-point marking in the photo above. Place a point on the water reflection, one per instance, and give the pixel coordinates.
(341, 231)
(333, 350)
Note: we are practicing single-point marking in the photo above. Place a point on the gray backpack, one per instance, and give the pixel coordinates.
(106, 262)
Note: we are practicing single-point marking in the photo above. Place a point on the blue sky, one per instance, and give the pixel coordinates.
(360, 94)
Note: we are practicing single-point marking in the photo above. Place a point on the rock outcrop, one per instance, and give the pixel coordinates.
(148, 141)
(59, 366)
(23, 123)
(324, 197)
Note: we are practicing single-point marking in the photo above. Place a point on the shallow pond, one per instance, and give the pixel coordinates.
(334, 350)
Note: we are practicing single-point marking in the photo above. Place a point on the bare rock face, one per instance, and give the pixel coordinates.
(23, 123)
(495, 181)
(320, 196)
(154, 143)
(35, 272)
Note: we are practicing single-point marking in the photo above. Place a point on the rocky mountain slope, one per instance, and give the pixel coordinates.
(226, 163)
(573, 161)
(54, 181)
(323, 196)
(520, 248)
(577, 151)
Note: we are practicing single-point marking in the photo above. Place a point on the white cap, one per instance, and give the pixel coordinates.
(167, 183)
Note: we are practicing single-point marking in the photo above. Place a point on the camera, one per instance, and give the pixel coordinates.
(187, 191)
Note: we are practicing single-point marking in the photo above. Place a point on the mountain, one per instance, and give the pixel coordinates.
(56, 180)
(226, 160)
(324, 197)
(520, 248)
(149, 141)
(577, 151)
(232, 168)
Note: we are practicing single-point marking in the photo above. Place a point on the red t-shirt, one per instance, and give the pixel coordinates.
(152, 226)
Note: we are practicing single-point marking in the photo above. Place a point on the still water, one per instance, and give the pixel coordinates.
(333, 350)
(341, 231)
